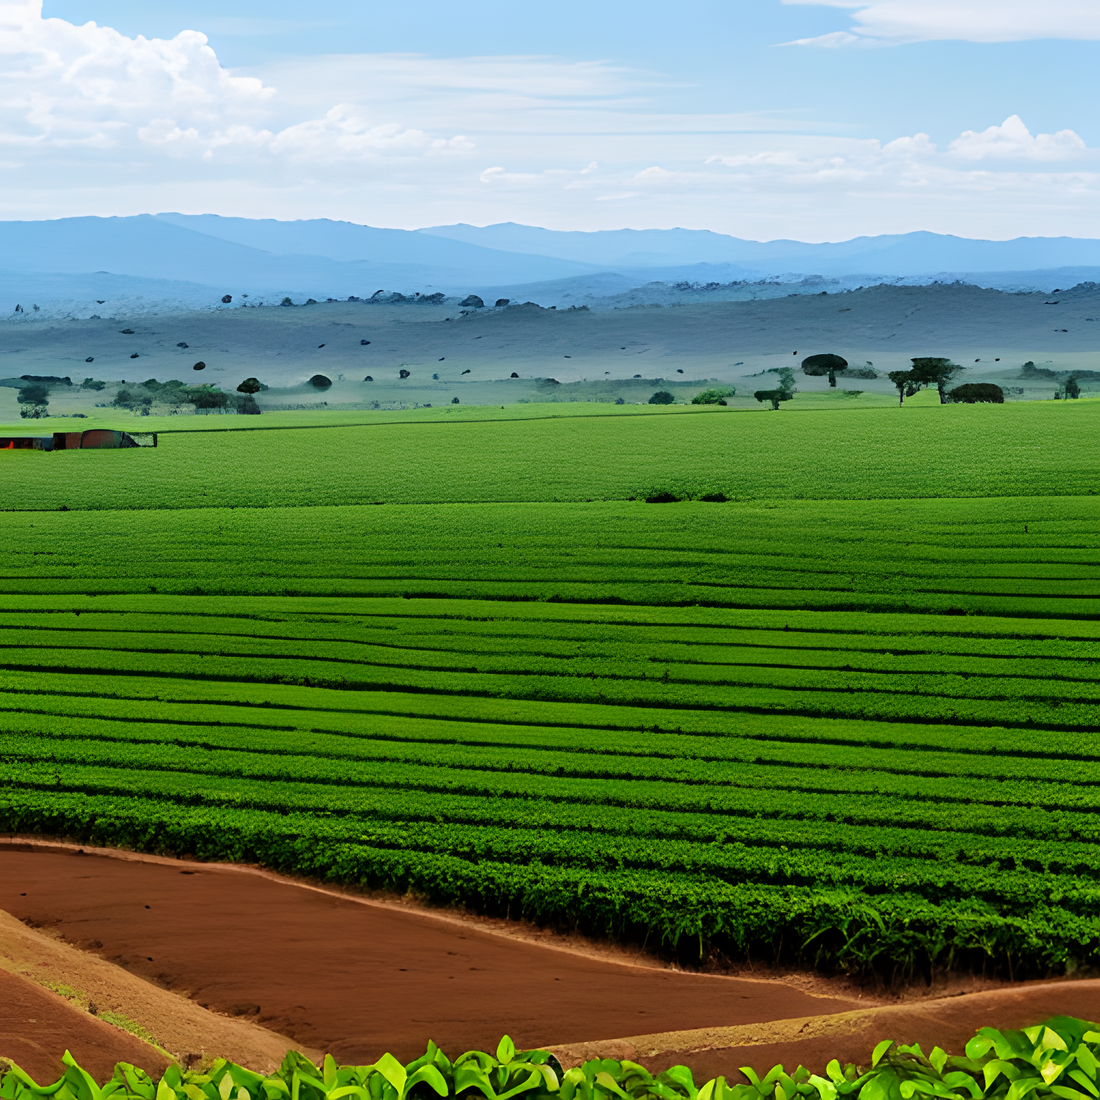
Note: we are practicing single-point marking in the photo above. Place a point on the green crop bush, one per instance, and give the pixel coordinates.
(1057, 1060)
(715, 396)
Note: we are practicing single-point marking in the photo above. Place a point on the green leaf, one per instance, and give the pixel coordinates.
(825, 1088)
(1068, 1094)
(880, 1051)
(393, 1072)
(474, 1077)
(428, 1075)
(506, 1050)
(605, 1081)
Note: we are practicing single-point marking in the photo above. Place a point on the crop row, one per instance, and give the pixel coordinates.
(973, 835)
(332, 757)
(701, 635)
(810, 923)
(416, 716)
(848, 695)
(614, 657)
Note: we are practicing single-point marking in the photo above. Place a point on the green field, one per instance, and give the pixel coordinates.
(848, 717)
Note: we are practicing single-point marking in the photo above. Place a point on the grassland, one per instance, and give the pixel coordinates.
(1041, 449)
(848, 717)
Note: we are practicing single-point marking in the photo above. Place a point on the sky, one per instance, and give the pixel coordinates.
(807, 119)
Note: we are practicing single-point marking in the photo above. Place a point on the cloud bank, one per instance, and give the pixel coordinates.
(95, 122)
(888, 22)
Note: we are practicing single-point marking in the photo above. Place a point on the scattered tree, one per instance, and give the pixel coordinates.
(826, 363)
(320, 382)
(250, 386)
(662, 397)
(774, 396)
(935, 372)
(907, 383)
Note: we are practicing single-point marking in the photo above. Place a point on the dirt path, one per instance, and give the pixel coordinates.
(848, 1036)
(355, 978)
(95, 987)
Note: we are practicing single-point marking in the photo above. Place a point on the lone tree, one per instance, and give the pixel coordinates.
(34, 397)
(774, 396)
(250, 385)
(827, 363)
(1071, 387)
(662, 397)
(935, 372)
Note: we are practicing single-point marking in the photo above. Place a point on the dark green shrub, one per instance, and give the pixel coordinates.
(662, 397)
(251, 385)
(974, 392)
(320, 382)
(715, 396)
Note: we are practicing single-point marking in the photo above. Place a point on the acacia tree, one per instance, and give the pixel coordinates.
(826, 363)
(930, 371)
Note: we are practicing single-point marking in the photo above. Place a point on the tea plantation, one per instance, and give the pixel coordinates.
(847, 717)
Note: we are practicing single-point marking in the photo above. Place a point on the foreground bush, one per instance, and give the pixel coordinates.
(1054, 1060)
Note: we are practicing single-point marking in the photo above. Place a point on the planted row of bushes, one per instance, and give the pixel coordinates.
(1054, 1061)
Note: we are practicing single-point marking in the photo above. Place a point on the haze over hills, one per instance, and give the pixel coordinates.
(906, 254)
(165, 261)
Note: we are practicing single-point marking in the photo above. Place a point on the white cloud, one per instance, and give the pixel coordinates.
(887, 22)
(1012, 140)
(64, 86)
(909, 161)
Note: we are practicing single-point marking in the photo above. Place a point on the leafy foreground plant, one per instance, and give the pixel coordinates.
(1059, 1059)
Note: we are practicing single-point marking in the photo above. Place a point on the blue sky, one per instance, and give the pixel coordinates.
(817, 120)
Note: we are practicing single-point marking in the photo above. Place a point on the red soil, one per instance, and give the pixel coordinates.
(946, 1022)
(37, 1027)
(355, 978)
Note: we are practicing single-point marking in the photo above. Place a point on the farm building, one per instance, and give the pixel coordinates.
(93, 439)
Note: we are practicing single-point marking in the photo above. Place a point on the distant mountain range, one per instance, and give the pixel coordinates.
(908, 254)
(195, 259)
